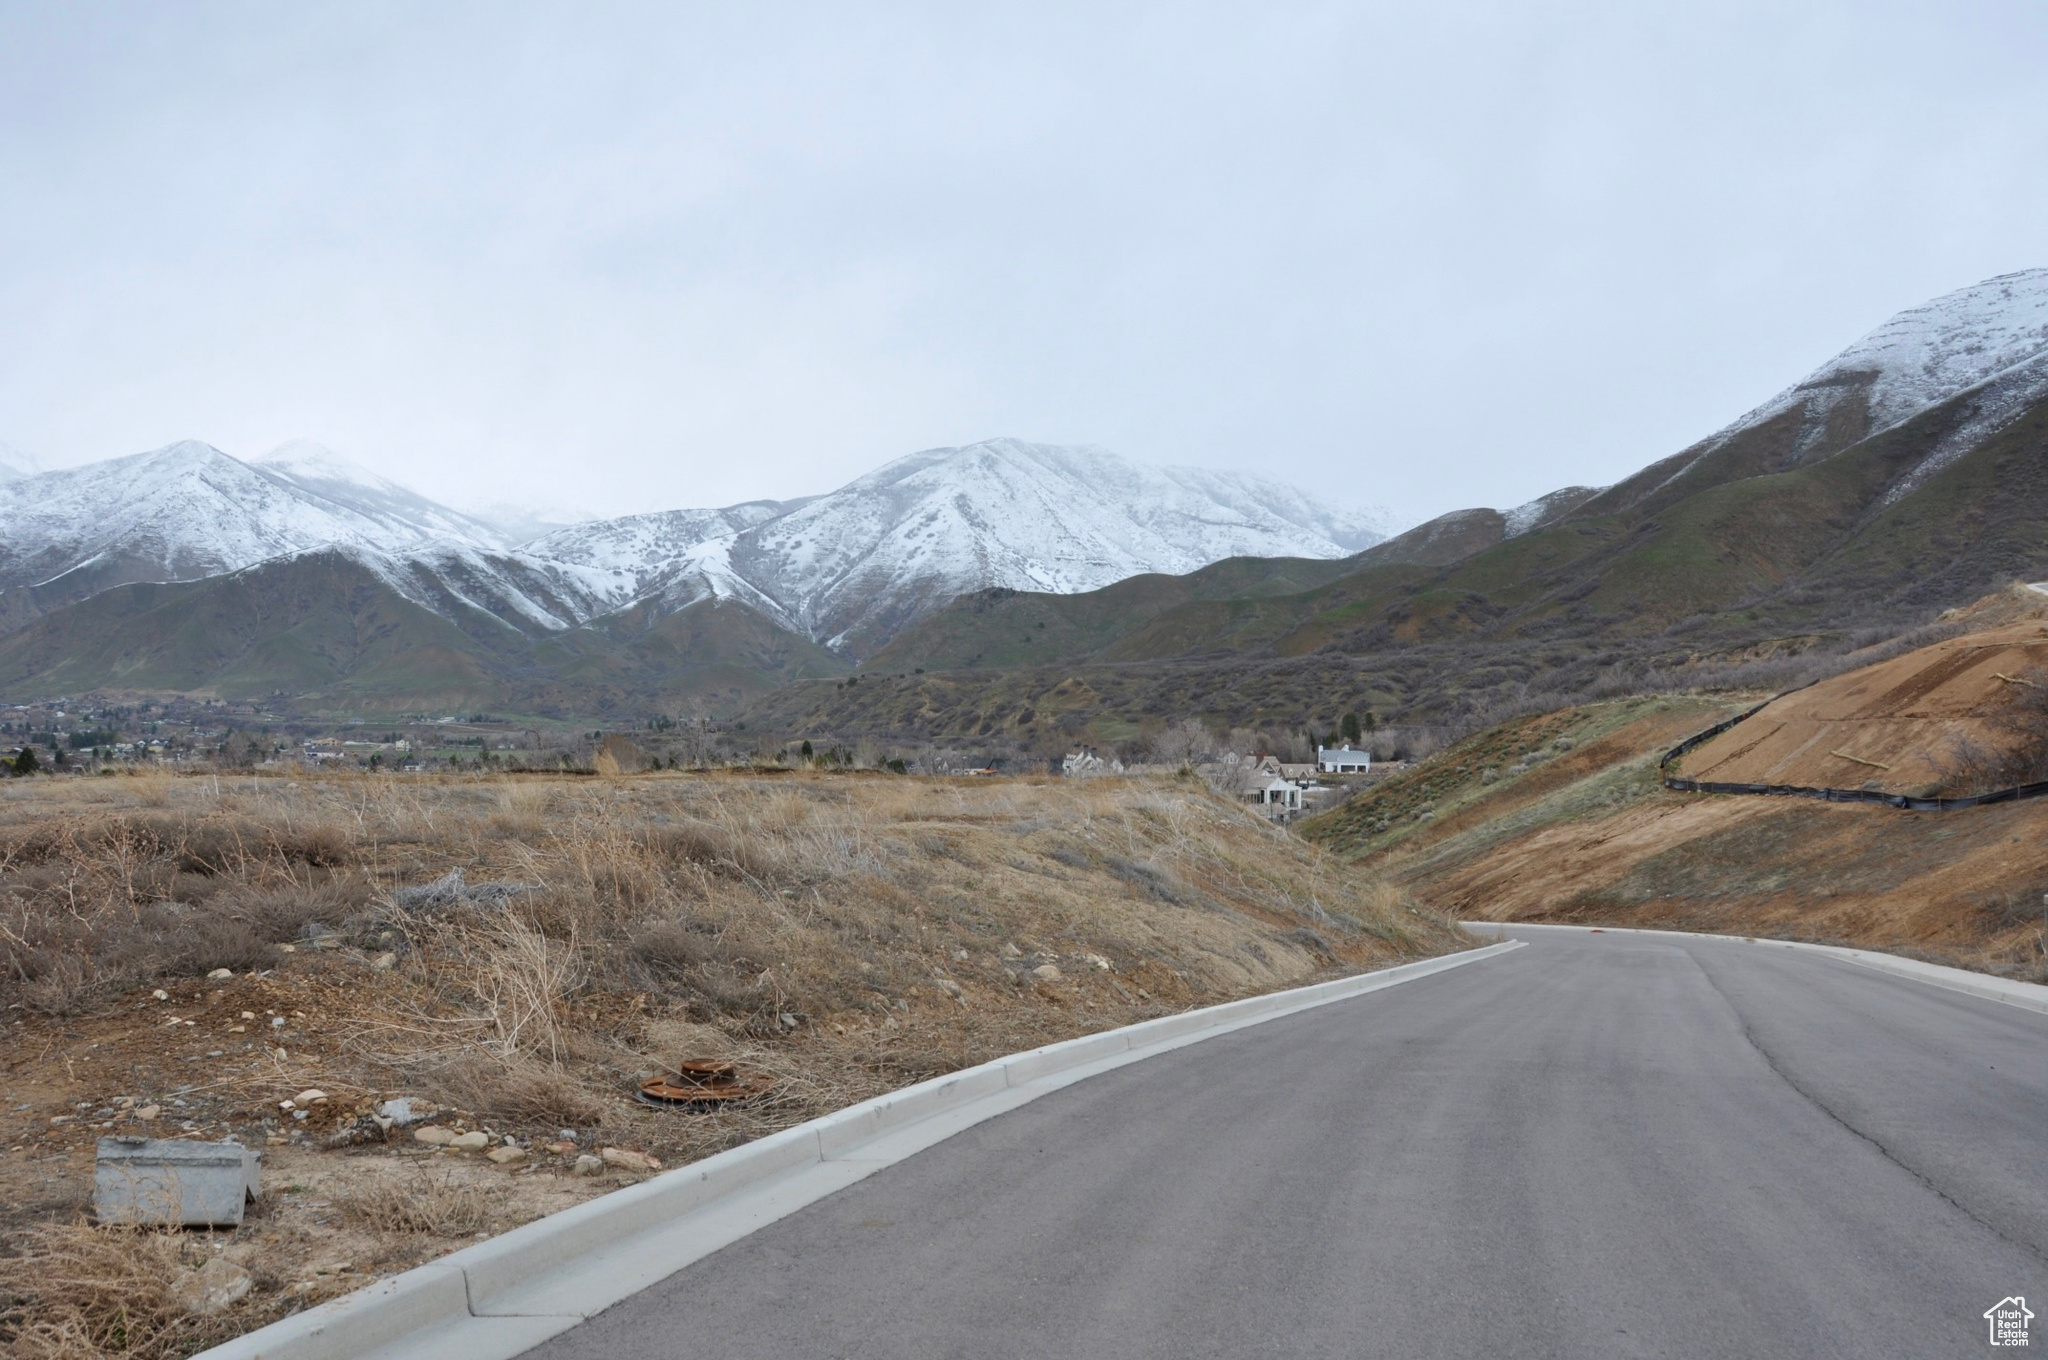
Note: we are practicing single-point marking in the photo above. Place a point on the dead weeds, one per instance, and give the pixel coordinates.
(515, 954)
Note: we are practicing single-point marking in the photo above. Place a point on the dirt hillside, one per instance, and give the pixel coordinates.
(1907, 725)
(1563, 817)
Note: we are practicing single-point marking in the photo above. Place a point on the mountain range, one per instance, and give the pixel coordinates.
(103, 567)
(1017, 593)
(1905, 476)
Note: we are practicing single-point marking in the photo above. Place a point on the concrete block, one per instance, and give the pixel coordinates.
(171, 1180)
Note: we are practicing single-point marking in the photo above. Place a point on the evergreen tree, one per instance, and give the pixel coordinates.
(1352, 731)
(25, 763)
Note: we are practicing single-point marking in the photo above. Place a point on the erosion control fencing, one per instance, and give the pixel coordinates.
(1897, 800)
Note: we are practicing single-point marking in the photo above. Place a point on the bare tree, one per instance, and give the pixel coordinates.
(1187, 742)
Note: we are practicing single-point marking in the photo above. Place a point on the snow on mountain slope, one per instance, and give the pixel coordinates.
(849, 568)
(1929, 353)
(405, 515)
(1353, 530)
(178, 512)
(854, 566)
(527, 594)
(519, 522)
(643, 545)
(1989, 340)
(1539, 513)
(188, 510)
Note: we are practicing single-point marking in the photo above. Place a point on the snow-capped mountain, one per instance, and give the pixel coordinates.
(405, 516)
(646, 545)
(179, 512)
(1932, 352)
(1987, 343)
(1983, 348)
(852, 567)
(848, 568)
(520, 522)
(188, 511)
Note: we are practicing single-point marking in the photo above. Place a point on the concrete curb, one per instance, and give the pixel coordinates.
(2026, 995)
(506, 1295)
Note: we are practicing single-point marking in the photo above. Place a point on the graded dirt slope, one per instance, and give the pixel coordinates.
(1894, 726)
(1563, 818)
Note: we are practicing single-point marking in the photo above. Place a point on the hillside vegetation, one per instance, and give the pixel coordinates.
(324, 635)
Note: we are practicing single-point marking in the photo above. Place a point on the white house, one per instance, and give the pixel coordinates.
(1278, 796)
(1342, 760)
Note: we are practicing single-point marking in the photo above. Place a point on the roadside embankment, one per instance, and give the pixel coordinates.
(1563, 818)
(274, 959)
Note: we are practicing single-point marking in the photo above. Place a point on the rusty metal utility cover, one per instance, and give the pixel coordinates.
(704, 1083)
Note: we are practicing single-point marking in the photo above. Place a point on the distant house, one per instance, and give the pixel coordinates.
(1279, 796)
(1082, 764)
(1273, 765)
(1342, 760)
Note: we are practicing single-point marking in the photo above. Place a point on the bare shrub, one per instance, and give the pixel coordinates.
(519, 977)
(736, 850)
(523, 797)
(77, 1292)
(2020, 907)
(418, 1201)
(152, 786)
(1150, 878)
(676, 947)
(2014, 749)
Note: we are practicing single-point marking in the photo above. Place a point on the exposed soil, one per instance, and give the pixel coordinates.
(1897, 726)
(1590, 835)
(1958, 887)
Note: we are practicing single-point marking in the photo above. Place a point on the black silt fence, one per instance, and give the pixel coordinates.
(1896, 800)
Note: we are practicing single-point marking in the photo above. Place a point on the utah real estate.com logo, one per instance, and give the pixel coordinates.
(2008, 1319)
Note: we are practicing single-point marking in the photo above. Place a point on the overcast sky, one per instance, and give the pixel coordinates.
(625, 256)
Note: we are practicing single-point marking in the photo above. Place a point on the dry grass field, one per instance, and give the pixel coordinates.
(514, 954)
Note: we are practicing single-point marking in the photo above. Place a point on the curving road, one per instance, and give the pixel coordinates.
(1599, 1145)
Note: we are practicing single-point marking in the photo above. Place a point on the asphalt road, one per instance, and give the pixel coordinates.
(1600, 1145)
